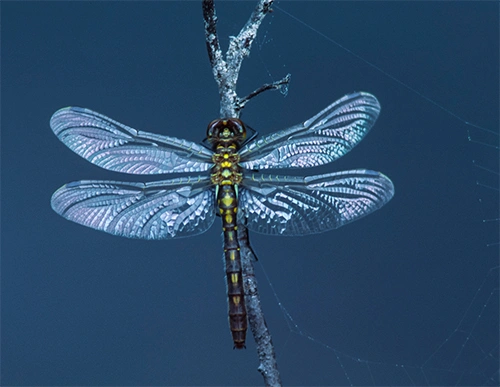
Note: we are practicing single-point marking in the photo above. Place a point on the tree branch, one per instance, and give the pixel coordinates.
(226, 72)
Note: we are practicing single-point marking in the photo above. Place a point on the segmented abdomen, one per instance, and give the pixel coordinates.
(228, 206)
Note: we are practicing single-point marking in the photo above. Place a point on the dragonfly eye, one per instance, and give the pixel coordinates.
(237, 128)
(211, 128)
(226, 129)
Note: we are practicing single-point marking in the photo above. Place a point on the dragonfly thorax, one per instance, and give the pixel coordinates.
(226, 137)
(226, 170)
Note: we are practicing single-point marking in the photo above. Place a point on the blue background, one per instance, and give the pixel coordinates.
(80, 307)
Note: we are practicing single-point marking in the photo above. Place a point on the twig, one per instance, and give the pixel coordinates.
(268, 86)
(226, 72)
(267, 357)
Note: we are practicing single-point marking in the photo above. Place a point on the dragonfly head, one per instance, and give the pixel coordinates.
(226, 131)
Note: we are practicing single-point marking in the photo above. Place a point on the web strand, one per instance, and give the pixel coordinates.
(388, 75)
(417, 374)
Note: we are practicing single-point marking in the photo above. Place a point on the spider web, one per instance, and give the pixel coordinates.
(465, 351)
(466, 357)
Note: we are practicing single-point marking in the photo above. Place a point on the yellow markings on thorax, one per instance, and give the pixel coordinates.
(226, 170)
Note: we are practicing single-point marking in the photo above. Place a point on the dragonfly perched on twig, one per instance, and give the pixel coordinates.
(228, 182)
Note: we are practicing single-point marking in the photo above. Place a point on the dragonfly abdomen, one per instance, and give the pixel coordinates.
(228, 206)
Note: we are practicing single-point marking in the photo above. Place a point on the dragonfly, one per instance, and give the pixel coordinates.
(220, 176)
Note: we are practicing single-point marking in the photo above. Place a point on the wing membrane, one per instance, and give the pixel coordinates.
(289, 205)
(320, 140)
(158, 210)
(114, 146)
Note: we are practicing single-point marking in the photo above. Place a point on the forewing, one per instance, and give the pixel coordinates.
(114, 146)
(160, 210)
(320, 140)
(289, 205)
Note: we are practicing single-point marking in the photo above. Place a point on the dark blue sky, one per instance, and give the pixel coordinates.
(81, 307)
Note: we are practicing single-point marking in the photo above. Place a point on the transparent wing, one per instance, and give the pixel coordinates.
(114, 146)
(290, 205)
(322, 139)
(160, 210)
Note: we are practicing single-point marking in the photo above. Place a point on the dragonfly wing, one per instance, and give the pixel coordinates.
(328, 135)
(114, 146)
(159, 210)
(290, 205)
